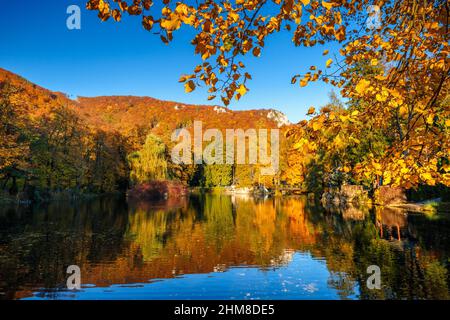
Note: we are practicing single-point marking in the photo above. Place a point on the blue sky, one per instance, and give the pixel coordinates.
(107, 58)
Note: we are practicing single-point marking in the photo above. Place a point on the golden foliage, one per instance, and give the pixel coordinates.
(405, 96)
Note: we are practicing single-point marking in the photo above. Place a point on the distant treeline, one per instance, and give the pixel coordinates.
(56, 152)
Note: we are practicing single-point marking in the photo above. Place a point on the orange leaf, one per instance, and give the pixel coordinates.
(311, 110)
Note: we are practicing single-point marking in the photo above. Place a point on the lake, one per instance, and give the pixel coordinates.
(220, 247)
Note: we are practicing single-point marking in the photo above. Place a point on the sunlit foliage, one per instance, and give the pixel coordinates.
(149, 163)
(407, 95)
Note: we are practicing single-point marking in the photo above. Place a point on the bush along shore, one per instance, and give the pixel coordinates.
(387, 196)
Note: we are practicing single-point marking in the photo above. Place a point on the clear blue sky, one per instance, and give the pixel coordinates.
(107, 58)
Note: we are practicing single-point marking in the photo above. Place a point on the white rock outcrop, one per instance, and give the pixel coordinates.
(279, 117)
(220, 109)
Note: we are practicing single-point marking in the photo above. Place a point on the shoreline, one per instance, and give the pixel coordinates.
(429, 206)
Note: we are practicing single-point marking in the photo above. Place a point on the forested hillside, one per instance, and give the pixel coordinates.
(51, 143)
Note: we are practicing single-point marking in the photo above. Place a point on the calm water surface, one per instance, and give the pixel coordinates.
(220, 247)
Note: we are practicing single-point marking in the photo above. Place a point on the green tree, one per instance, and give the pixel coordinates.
(56, 150)
(150, 162)
(218, 175)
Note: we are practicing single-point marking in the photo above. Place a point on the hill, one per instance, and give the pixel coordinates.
(54, 143)
(124, 114)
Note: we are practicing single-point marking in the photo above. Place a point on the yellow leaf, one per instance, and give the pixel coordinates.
(328, 63)
(427, 177)
(223, 62)
(183, 78)
(325, 52)
(387, 178)
(305, 2)
(234, 16)
(404, 170)
(338, 142)
(362, 85)
(242, 90)
(343, 118)
(182, 8)
(317, 125)
(172, 24)
(189, 86)
(298, 145)
(382, 96)
(374, 62)
(376, 165)
(327, 5)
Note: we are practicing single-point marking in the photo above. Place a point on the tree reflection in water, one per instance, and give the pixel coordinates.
(115, 242)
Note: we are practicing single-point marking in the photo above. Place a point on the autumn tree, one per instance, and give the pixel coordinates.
(56, 151)
(14, 138)
(46, 148)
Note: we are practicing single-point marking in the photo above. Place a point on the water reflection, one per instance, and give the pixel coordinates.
(220, 247)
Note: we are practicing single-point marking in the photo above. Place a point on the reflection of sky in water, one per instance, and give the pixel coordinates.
(302, 278)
